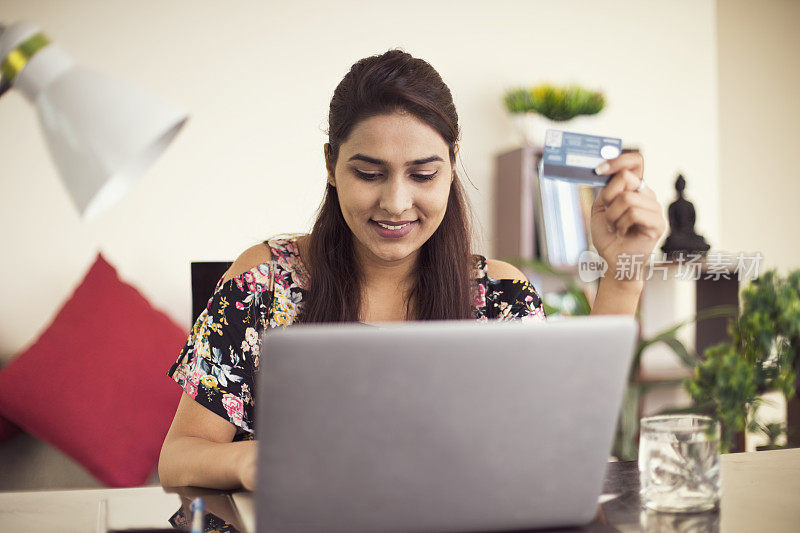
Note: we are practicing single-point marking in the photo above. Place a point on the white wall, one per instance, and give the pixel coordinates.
(257, 78)
(759, 115)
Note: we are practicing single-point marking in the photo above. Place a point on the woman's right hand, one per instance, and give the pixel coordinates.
(247, 465)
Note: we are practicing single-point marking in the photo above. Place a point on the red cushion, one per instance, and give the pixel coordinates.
(93, 384)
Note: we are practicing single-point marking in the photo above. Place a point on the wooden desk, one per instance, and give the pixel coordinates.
(760, 492)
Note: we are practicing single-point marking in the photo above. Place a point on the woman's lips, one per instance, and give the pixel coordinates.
(404, 228)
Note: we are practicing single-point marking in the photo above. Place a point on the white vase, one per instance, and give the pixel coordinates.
(582, 124)
(532, 126)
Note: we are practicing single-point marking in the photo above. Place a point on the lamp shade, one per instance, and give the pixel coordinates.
(102, 134)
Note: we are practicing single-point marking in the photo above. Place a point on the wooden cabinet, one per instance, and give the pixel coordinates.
(514, 209)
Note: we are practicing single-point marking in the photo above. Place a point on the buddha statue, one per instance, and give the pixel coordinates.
(682, 239)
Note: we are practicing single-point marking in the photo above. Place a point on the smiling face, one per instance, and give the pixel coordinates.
(393, 178)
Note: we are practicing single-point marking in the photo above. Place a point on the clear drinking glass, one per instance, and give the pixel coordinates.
(679, 463)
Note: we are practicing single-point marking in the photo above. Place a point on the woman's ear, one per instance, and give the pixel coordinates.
(331, 177)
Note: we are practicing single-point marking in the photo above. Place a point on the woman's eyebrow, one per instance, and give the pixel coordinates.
(375, 161)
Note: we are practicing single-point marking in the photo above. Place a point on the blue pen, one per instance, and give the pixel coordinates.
(198, 512)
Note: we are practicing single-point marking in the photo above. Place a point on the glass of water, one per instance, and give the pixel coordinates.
(679, 463)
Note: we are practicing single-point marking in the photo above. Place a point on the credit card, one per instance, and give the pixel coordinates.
(573, 156)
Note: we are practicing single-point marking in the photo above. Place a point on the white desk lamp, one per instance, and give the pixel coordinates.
(102, 134)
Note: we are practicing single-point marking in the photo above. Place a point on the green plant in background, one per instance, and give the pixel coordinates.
(555, 103)
(761, 357)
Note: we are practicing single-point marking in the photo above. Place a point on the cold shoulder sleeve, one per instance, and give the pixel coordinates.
(218, 364)
(505, 299)
(513, 299)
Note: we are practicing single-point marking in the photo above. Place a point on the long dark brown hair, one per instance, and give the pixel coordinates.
(379, 85)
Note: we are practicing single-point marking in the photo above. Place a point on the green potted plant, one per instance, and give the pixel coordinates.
(729, 381)
(537, 108)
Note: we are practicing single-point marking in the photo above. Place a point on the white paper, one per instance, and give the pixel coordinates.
(247, 513)
(125, 511)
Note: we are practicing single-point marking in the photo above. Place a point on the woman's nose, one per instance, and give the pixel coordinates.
(395, 196)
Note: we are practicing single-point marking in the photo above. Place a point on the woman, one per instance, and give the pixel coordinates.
(391, 242)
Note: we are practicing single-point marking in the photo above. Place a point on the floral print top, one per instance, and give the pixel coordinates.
(217, 366)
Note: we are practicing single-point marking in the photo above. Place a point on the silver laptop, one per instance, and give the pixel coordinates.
(438, 426)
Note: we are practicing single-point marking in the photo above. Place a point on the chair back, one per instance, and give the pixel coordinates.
(205, 275)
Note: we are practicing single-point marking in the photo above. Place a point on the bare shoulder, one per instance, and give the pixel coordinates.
(501, 270)
(250, 258)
